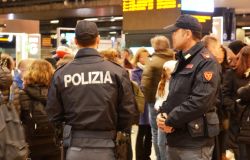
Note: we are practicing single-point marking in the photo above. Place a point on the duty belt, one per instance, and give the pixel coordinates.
(94, 134)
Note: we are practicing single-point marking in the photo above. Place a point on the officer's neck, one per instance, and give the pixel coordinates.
(188, 45)
(95, 46)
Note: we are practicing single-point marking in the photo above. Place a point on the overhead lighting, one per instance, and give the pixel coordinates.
(246, 28)
(10, 38)
(11, 16)
(91, 19)
(112, 32)
(54, 21)
(65, 2)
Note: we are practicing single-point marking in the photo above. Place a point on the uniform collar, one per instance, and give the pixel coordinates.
(184, 58)
(86, 52)
(191, 52)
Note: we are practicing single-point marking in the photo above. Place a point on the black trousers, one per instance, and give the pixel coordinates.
(143, 142)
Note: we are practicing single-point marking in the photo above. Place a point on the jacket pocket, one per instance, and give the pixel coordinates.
(196, 127)
(212, 124)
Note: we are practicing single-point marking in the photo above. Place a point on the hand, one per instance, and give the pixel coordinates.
(161, 123)
(168, 129)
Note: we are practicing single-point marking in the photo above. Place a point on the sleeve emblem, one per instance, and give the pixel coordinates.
(208, 75)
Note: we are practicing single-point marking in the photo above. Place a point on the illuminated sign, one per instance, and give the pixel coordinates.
(144, 5)
(202, 19)
(165, 4)
(138, 5)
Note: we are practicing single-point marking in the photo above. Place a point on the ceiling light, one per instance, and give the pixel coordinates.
(112, 32)
(91, 19)
(10, 16)
(65, 2)
(54, 21)
(246, 28)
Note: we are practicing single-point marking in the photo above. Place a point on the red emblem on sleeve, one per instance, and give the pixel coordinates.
(208, 75)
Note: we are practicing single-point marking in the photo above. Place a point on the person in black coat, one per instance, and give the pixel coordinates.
(232, 81)
(40, 133)
(244, 134)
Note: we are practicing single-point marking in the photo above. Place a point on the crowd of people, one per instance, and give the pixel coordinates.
(196, 98)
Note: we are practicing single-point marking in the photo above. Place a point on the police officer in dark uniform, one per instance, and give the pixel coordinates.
(93, 97)
(188, 115)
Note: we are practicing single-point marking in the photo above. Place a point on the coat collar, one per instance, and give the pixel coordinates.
(87, 52)
(191, 52)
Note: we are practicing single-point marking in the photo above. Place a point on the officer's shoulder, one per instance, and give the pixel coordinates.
(60, 67)
(116, 64)
(207, 55)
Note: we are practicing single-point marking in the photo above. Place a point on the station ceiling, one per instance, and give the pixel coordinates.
(103, 8)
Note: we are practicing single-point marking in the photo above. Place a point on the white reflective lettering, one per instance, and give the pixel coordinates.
(90, 78)
(101, 77)
(83, 80)
(76, 79)
(107, 78)
(96, 75)
(67, 79)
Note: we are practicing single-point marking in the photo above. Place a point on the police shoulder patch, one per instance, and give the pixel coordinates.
(208, 75)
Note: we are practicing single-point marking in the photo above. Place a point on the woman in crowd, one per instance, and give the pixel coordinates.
(161, 96)
(14, 90)
(232, 81)
(111, 55)
(40, 133)
(22, 67)
(127, 56)
(143, 140)
(244, 134)
(12, 143)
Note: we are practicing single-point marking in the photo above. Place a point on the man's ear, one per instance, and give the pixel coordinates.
(98, 39)
(189, 33)
(76, 42)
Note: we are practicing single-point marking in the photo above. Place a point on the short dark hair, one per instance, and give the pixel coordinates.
(86, 43)
(196, 35)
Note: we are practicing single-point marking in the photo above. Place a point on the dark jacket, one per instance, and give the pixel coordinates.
(5, 83)
(192, 93)
(152, 73)
(231, 83)
(91, 95)
(40, 143)
(244, 95)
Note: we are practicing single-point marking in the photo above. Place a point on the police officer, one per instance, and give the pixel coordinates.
(188, 115)
(93, 97)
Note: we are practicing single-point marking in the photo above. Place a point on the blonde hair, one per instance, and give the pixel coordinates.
(208, 39)
(160, 43)
(66, 59)
(165, 76)
(168, 68)
(111, 55)
(138, 54)
(39, 72)
(25, 63)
